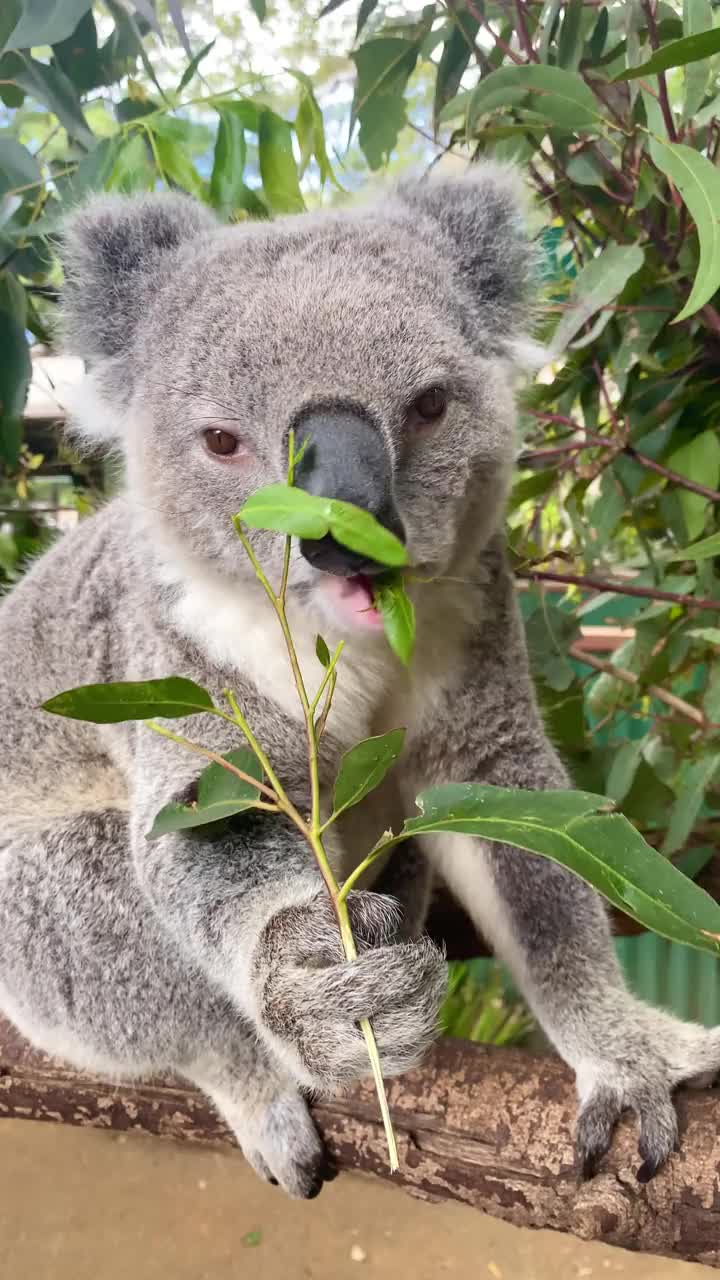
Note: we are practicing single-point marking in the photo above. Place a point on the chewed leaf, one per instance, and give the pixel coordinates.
(289, 510)
(577, 830)
(364, 766)
(131, 700)
(398, 615)
(220, 794)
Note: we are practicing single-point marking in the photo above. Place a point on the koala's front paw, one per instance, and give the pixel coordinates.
(283, 1146)
(656, 1057)
(311, 999)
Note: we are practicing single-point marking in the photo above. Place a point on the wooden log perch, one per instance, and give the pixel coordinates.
(489, 1127)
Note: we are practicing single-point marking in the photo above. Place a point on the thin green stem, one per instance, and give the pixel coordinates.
(381, 847)
(312, 831)
(239, 719)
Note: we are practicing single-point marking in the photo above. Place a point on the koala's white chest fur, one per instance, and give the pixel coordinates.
(241, 631)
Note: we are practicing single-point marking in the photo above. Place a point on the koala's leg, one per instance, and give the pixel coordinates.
(87, 974)
(549, 926)
(268, 1116)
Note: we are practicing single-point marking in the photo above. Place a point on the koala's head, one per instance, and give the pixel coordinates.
(386, 334)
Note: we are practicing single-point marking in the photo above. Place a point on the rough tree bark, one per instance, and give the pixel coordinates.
(489, 1127)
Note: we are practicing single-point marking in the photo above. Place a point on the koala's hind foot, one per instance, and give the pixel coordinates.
(660, 1054)
(272, 1125)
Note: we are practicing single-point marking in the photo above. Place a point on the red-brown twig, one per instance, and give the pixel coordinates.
(617, 587)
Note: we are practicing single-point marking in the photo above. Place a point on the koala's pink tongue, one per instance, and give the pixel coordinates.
(353, 598)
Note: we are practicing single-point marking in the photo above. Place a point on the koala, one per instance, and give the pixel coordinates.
(387, 336)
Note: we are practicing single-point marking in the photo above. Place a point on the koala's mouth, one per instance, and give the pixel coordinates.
(351, 600)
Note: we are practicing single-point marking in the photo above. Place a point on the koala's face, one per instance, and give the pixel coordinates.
(383, 338)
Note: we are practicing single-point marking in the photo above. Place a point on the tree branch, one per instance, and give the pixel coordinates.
(618, 587)
(684, 708)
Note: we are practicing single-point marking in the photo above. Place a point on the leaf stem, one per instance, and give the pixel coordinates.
(214, 756)
(312, 831)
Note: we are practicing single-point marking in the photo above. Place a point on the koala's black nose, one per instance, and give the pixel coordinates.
(345, 457)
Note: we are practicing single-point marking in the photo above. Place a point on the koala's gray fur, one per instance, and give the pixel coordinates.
(219, 959)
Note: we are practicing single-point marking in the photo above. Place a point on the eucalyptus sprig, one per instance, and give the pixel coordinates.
(579, 830)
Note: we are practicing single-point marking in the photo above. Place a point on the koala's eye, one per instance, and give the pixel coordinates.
(431, 404)
(222, 443)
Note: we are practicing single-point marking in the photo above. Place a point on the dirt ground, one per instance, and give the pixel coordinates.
(80, 1204)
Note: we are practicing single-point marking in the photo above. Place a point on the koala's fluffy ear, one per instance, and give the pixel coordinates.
(482, 216)
(111, 249)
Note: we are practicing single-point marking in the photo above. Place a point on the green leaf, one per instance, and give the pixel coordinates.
(697, 16)
(570, 41)
(177, 166)
(176, 15)
(695, 776)
(364, 766)
(596, 285)
(18, 168)
(366, 10)
(398, 614)
(95, 168)
(678, 53)
(384, 66)
(193, 65)
(15, 367)
(560, 97)
(220, 794)
(259, 8)
(51, 87)
(322, 652)
(226, 180)
(47, 22)
(574, 829)
(9, 18)
(596, 43)
(131, 700)
(132, 169)
(698, 460)
(703, 550)
(625, 762)
(456, 55)
(289, 510)
(310, 130)
(278, 169)
(698, 182)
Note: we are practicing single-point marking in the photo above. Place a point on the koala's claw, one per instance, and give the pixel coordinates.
(311, 998)
(600, 1114)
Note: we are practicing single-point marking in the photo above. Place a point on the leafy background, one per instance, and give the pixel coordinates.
(613, 110)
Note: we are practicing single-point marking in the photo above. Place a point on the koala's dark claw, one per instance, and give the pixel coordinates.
(647, 1171)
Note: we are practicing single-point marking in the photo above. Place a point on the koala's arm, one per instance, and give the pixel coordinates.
(550, 927)
(250, 909)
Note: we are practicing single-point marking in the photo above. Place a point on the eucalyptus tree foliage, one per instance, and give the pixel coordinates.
(613, 109)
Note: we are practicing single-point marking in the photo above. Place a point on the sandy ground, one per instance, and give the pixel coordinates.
(80, 1204)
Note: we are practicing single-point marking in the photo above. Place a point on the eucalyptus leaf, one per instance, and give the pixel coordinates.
(169, 697)
(596, 285)
(193, 65)
(384, 66)
(46, 22)
(678, 53)
(322, 652)
(364, 766)
(289, 510)
(220, 795)
(575, 829)
(698, 181)
(703, 550)
(398, 614)
(278, 169)
(561, 97)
